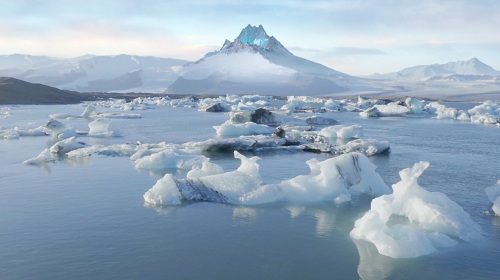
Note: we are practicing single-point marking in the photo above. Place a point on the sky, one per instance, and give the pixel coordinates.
(352, 36)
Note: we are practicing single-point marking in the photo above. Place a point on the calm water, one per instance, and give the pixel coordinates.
(87, 220)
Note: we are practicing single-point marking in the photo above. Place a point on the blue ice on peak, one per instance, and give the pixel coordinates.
(254, 36)
(254, 39)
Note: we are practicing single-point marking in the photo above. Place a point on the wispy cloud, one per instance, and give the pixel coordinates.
(356, 51)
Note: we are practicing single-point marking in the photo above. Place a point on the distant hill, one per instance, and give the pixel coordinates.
(469, 70)
(15, 91)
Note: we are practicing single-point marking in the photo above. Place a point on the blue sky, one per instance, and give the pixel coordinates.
(355, 37)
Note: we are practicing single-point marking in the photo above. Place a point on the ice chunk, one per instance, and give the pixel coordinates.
(335, 179)
(99, 127)
(16, 132)
(55, 126)
(90, 112)
(413, 222)
(315, 120)
(67, 145)
(484, 119)
(341, 131)
(229, 129)
(170, 159)
(235, 184)
(44, 157)
(391, 109)
(368, 147)
(164, 192)
(487, 108)
(207, 168)
(414, 105)
(493, 194)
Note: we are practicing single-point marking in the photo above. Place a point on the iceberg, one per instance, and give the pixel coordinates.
(66, 145)
(340, 131)
(99, 128)
(493, 194)
(16, 132)
(334, 179)
(164, 192)
(389, 110)
(229, 129)
(170, 158)
(412, 222)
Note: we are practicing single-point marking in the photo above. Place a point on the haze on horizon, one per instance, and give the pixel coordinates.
(355, 37)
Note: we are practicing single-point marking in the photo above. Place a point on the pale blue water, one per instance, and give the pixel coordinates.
(88, 220)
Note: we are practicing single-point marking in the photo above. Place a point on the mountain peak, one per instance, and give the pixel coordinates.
(253, 39)
(253, 35)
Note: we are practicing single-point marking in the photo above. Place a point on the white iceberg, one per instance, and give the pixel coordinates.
(341, 132)
(67, 145)
(389, 110)
(170, 158)
(229, 129)
(99, 128)
(413, 222)
(44, 157)
(164, 192)
(493, 194)
(334, 179)
(16, 132)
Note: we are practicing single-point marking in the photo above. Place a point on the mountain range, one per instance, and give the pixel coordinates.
(92, 73)
(253, 63)
(469, 70)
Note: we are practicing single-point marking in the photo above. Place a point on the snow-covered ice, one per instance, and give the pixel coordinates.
(229, 129)
(412, 222)
(493, 193)
(334, 179)
(170, 159)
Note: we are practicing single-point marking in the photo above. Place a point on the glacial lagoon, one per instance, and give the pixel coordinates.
(86, 217)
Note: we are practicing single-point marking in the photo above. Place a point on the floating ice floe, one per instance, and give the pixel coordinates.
(389, 110)
(398, 108)
(59, 148)
(443, 112)
(16, 132)
(44, 157)
(486, 113)
(493, 194)
(67, 145)
(100, 128)
(412, 222)
(334, 179)
(342, 132)
(229, 129)
(171, 158)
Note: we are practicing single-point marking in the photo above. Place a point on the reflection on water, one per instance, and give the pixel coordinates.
(244, 214)
(372, 265)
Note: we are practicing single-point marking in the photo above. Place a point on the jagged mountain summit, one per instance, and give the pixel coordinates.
(91, 73)
(256, 63)
(469, 70)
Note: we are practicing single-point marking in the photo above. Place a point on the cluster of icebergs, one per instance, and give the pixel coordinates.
(485, 113)
(404, 221)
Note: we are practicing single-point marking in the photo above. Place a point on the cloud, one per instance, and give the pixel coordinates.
(349, 51)
(302, 50)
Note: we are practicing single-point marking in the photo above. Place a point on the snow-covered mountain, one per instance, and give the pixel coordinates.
(256, 63)
(91, 73)
(469, 70)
